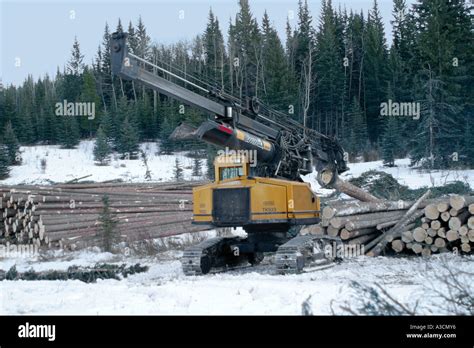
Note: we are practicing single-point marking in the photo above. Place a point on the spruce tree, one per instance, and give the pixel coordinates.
(167, 145)
(375, 71)
(101, 148)
(119, 28)
(128, 144)
(355, 56)
(390, 142)
(245, 40)
(197, 167)
(132, 38)
(359, 127)
(147, 119)
(109, 127)
(89, 94)
(76, 65)
(23, 124)
(108, 226)
(9, 107)
(329, 69)
(275, 91)
(11, 142)
(214, 51)
(438, 133)
(69, 132)
(178, 171)
(468, 152)
(444, 65)
(304, 36)
(4, 161)
(211, 154)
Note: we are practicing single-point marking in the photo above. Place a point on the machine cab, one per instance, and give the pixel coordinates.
(231, 166)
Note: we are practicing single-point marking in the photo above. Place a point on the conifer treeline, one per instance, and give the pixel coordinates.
(332, 73)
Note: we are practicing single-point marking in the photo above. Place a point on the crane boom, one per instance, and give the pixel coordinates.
(284, 147)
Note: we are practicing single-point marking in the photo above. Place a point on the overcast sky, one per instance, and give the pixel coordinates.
(38, 35)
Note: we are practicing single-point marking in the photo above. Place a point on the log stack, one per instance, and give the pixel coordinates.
(423, 227)
(68, 215)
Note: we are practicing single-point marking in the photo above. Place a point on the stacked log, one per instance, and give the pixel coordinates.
(423, 227)
(69, 215)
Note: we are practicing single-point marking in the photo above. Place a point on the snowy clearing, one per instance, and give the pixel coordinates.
(165, 290)
(64, 165)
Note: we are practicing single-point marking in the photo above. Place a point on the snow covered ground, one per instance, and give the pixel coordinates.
(64, 165)
(165, 290)
(413, 178)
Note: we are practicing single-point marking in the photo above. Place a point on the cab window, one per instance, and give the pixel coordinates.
(230, 172)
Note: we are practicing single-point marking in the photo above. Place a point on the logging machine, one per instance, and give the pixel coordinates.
(257, 183)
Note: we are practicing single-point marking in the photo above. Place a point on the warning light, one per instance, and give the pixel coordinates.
(225, 129)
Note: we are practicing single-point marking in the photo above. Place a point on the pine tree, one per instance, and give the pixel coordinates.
(102, 148)
(11, 142)
(4, 161)
(178, 171)
(128, 144)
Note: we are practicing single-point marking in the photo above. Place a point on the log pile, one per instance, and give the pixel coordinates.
(423, 227)
(68, 215)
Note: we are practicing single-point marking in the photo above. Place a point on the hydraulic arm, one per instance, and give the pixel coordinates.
(284, 148)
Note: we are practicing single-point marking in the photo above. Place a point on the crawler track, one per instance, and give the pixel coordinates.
(305, 253)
